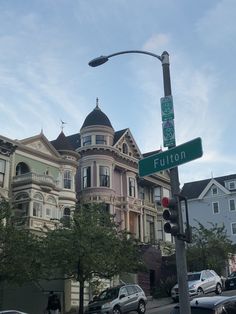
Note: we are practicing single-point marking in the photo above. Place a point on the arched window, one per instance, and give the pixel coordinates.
(125, 148)
(66, 211)
(22, 168)
(21, 205)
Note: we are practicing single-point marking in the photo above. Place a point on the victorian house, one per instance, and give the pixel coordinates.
(44, 180)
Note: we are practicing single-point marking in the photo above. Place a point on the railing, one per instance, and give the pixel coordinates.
(41, 179)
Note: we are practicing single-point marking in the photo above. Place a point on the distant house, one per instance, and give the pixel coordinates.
(213, 201)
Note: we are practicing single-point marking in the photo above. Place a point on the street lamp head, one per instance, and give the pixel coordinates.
(98, 61)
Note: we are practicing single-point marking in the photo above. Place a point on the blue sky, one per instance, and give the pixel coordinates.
(45, 47)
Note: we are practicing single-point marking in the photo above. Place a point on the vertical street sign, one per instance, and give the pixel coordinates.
(168, 127)
(167, 108)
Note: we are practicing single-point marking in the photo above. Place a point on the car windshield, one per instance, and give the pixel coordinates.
(233, 274)
(195, 276)
(109, 294)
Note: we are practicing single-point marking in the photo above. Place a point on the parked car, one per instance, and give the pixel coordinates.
(199, 283)
(230, 282)
(119, 299)
(211, 305)
(11, 312)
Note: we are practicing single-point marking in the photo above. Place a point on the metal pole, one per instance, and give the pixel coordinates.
(181, 263)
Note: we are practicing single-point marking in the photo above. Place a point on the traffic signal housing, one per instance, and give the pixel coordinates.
(170, 214)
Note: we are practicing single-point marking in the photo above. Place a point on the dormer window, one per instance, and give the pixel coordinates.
(125, 148)
(231, 185)
(100, 139)
(214, 190)
(87, 140)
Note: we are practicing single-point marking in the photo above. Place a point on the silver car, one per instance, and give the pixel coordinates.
(119, 299)
(200, 283)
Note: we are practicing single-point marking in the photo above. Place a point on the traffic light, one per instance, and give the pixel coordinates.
(171, 215)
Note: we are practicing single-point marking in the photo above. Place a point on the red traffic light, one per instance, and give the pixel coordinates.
(165, 202)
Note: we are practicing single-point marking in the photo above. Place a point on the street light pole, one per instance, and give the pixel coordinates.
(174, 179)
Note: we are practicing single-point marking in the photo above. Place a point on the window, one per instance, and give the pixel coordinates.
(215, 207)
(21, 205)
(150, 228)
(38, 205)
(124, 148)
(100, 139)
(2, 171)
(132, 187)
(37, 209)
(141, 193)
(87, 140)
(67, 179)
(157, 195)
(160, 230)
(51, 208)
(233, 227)
(232, 185)
(86, 177)
(214, 191)
(104, 176)
(22, 168)
(231, 205)
(66, 219)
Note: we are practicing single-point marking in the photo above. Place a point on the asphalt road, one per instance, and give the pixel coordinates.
(167, 308)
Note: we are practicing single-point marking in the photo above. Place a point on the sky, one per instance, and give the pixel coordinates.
(45, 47)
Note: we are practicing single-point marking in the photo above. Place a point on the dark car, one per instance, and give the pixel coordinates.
(230, 282)
(119, 299)
(211, 305)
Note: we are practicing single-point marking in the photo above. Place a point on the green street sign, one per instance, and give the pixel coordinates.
(171, 158)
(168, 130)
(167, 108)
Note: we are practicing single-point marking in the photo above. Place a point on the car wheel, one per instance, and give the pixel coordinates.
(218, 289)
(116, 310)
(141, 307)
(200, 292)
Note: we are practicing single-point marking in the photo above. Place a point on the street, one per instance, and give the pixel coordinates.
(167, 308)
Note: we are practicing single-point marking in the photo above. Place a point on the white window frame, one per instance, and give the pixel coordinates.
(102, 176)
(217, 208)
(232, 210)
(87, 140)
(214, 188)
(2, 171)
(85, 177)
(102, 140)
(67, 179)
(229, 183)
(132, 187)
(232, 228)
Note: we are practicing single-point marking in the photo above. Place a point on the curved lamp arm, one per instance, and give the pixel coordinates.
(164, 58)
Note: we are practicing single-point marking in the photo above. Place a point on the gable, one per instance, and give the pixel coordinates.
(40, 143)
(127, 145)
(207, 191)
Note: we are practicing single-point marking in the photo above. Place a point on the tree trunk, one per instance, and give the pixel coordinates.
(81, 297)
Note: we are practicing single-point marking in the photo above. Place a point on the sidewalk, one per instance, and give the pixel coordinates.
(154, 303)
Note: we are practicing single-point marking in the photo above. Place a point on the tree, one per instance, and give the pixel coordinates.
(209, 248)
(20, 249)
(92, 246)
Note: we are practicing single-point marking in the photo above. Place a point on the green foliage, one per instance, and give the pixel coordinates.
(19, 250)
(209, 248)
(92, 246)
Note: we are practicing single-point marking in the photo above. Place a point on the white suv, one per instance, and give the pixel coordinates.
(199, 283)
